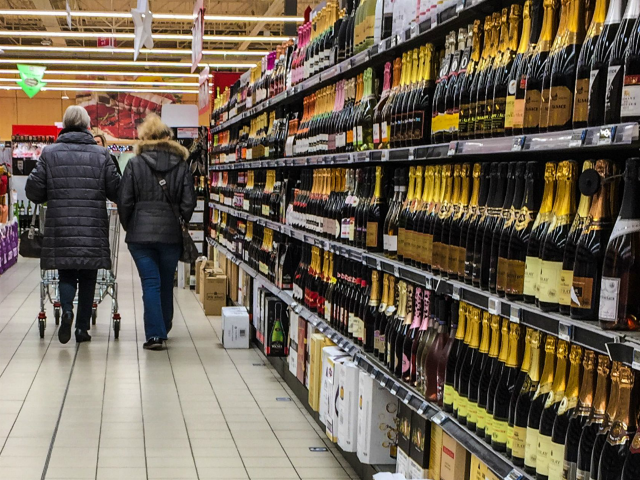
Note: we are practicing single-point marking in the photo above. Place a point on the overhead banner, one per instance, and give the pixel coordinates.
(197, 34)
(204, 98)
(31, 78)
(142, 20)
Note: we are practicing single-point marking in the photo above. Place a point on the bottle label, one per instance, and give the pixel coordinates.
(556, 460)
(532, 109)
(518, 112)
(499, 432)
(531, 275)
(346, 226)
(545, 98)
(488, 427)
(613, 74)
(544, 451)
(582, 292)
(509, 438)
(560, 103)
(582, 474)
(581, 101)
(549, 281)
(448, 394)
(385, 132)
(372, 234)
(463, 406)
(350, 135)
(624, 226)
(472, 412)
(609, 297)
(566, 279)
(531, 447)
(359, 133)
(501, 279)
(630, 106)
(510, 108)
(518, 442)
(481, 418)
(390, 243)
(376, 133)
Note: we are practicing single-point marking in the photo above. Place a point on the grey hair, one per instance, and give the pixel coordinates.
(76, 117)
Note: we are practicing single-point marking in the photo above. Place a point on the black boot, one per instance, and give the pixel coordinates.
(154, 343)
(82, 336)
(64, 332)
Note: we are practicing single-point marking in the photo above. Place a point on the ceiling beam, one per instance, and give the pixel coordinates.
(50, 23)
(275, 8)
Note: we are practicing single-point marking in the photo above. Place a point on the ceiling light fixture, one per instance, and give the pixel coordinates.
(155, 51)
(110, 82)
(156, 16)
(131, 36)
(120, 63)
(94, 89)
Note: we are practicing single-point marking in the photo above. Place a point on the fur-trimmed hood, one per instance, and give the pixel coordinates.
(161, 155)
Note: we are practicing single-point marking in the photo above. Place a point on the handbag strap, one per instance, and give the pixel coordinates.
(163, 184)
(32, 227)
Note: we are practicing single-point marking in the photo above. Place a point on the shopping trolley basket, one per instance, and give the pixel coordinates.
(106, 284)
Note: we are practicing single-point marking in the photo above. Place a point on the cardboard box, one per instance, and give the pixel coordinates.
(201, 264)
(477, 469)
(214, 293)
(419, 450)
(403, 464)
(302, 350)
(348, 380)
(235, 327)
(416, 471)
(206, 269)
(233, 276)
(377, 433)
(315, 370)
(435, 453)
(404, 439)
(328, 388)
(454, 464)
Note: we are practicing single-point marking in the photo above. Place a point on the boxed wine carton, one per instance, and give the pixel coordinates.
(328, 416)
(377, 416)
(435, 453)
(235, 327)
(404, 439)
(419, 449)
(213, 292)
(348, 379)
(315, 369)
(302, 350)
(454, 463)
(293, 343)
(276, 332)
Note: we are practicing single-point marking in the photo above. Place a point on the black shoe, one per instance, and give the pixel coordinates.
(64, 332)
(154, 343)
(82, 336)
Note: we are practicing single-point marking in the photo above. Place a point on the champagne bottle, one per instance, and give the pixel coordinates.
(629, 111)
(402, 233)
(401, 362)
(386, 320)
(553, 247)
(470, 356)
(495, 379)
(378, 346)
(461, 81)
(454, 355)
(550, 411)
(504, 389)
(371, 313)
(375, 216)
(539, 228)
(454, 228)
(479, 73)
(423, 99)
(439, 254)
(420, 226)
(537, 405)
(387, 110)
(484, 106)
(466, 82)
(489, 366)
(596, 417)
(396, 326)
(469, 234)
(412, 340)
(523, 402)
(583, 68)
(631, 469)
(590, 250)
(619, 309)
(412, 245)
(517, 389)
(452, 116)
(476, 371)
(390, 235)
(565, 412)
(429, 338)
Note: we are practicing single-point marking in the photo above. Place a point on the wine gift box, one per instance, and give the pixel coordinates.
(348, 384)
(419, 450)
(404, 439)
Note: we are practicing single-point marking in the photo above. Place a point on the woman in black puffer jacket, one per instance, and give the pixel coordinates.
(153, 232)
(75, 177)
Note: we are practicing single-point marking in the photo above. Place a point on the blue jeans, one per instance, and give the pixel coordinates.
(156, 264)
(85, 282)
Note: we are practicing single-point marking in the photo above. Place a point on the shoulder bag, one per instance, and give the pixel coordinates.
(31, 240)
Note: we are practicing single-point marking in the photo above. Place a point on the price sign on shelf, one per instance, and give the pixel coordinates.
(455, 294)
(422, 408)
(636, 360)
(494, 306)
(407, 398)
(518, 143)
(577, 139)
(515, 314)
(564, 331)
(438, 418)
(606, 135)
(453, 148)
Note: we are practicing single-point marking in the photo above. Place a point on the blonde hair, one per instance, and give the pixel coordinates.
(76, 116)
(153, 129)
(102, 137)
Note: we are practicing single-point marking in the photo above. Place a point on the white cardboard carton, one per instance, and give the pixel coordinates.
(348, 384)
(330, 355)
(235, 327)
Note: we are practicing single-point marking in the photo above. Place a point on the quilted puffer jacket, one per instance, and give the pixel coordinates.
(75, 177)
(144, 210)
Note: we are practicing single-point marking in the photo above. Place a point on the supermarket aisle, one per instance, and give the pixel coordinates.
(110, 410)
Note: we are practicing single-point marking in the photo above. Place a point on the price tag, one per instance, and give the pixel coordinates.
(456, 292)
(373, 373)
(414, 31)
(453, 149)
(577, 139)
(407, 398)
(606, 135)
(423, 407)
(518, 143)
(383, 382)
(636, 360)
(394, 389)
(384, 156)
(393, 42)
(322, 328)
(428, 283)
(564, 331)
(396, 271)
(411, 156)
(438, 418)
(514, 315)
(381, 47)
(494, 306)
(378, 265)
(399, 39)
(514, 475)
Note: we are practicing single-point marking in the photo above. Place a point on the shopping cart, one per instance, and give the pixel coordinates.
(106, 284)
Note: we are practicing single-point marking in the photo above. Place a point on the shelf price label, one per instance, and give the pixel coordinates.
(422, 408)
(374, 372)
(636, 360)
(456, 292)
(577, 139)
(453, 149)
(394, 389)
(438, 418)
(606, 135)
(514, 314)
(383, 382)
(407, 398)
(514, 475)
(493, 306)
(518, 143)
(564, 331)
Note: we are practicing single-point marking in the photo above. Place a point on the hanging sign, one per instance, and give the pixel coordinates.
(204, 98)
(31, 78)
(142, 19)
(106, 42)
(69, 24)
(197, 34)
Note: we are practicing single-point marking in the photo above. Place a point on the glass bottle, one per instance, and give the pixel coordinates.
(454, 355)
(470, 357)
(371, 313)
(523, 372)
(483, 423)
(379, 326)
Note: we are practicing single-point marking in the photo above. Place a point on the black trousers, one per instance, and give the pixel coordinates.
(85, 282)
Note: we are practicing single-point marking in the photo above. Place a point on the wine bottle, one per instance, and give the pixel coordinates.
(424, 97)
(411, 343)
(486, 373)
(590, 250)
(379, 326)
(504, 389)
(466, 313)
(535, 74)
(419, 225)
(411, 245)
(438, 108)
(468, 235)
(454, 227)
(619, 309)
(476, 370)
(387, 111)
(616, 57)
(629, 111)
(390, 235)
(600, 64)
(517, 388)
(451, 117)
(444, 247)
(466, 82)
(390, 316)
(451, 327)
(467, 218)
(456, 349)
(565, 411)
(483, 64)
(435, 353)
(563, 72)
(553, 246)
(495, 378)
(539, 228)
(429, 216)
(399, 100)
(631, 468)
(538, 401)
(402, 363)
(550, 411)
(484, 107)
(371, 313)
(470, 357)
(402, 233)
(623, 428)
(375, 215)
(428, 339)
(377, 115)
(596, 417)
(583, 68)
(438, 253)
(605, 426)
(523, 402)
(462, 77)
(485, 218)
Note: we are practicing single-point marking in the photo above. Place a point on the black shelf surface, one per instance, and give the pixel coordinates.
(621, 346)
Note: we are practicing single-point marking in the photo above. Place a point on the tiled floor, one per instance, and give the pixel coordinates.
(110, 410)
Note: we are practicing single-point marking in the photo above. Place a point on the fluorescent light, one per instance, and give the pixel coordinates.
(156, 16)
(122, 63)
(155, 51)
(127, 90)
(109, 82)
(130, 36)
(108, 73)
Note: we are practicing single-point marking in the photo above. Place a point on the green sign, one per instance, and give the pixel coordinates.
(31, 79)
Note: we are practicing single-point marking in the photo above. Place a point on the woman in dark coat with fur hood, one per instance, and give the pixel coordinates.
(154, 235)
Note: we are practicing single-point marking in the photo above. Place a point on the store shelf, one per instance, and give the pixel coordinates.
(499, 464)
(621, 346)
(623, 135)
(385, 50)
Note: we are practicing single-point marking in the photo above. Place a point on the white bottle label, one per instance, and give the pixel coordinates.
(359, 133)
(390, 243)
(376, 133)
(609, 297)
(630, 106)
